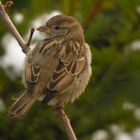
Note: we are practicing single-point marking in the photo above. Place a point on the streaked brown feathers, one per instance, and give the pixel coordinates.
(58, 68)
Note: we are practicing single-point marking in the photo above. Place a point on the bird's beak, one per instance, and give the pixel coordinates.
(43, 28)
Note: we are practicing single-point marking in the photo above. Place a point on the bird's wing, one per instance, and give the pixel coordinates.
(31, 73)
(70, 66)
(32, 68)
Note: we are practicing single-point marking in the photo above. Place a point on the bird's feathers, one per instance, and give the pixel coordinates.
(58, 68)
(32, 72)
(69, 67)
(21, 106)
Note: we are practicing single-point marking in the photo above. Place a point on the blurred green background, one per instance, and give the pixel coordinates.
(110, 106)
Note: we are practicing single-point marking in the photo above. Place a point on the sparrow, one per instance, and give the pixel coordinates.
(57, 69)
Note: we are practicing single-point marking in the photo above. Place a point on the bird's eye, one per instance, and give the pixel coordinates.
(56, 27)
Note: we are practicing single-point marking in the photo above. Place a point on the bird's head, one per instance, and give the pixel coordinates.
(62, 26)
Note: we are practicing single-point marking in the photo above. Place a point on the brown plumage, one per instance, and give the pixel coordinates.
(58, 68)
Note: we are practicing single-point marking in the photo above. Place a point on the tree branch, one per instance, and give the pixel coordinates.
(65, 121)
(30, 37)
(60, 111)
(4, 16)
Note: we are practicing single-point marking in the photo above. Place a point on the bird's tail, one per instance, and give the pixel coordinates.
(22, 105)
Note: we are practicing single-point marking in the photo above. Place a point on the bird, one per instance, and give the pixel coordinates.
(58, 69)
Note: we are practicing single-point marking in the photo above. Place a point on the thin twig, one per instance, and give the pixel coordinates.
(65, 121)
(4, 16)
(30, 37)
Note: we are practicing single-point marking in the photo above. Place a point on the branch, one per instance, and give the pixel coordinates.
(30, 37)
(4, 16)
(65, 120)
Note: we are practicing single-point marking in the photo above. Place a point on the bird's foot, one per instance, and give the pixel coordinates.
(59, 105)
